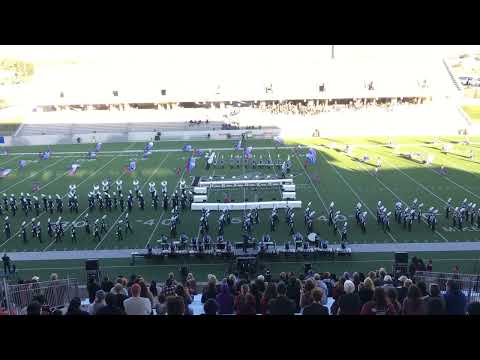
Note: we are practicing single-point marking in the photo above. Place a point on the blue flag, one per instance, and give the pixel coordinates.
(312, 156)
(22, 163)
(238, 146)
(98, 147)
(187, 147)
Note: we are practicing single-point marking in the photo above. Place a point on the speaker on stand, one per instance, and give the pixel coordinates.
(92, 268)
(400, 265)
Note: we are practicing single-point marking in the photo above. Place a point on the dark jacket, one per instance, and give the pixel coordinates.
(365, 295)
(456, 303)
(225, 301)
(349, 304)
(402, 293)
(120, 298)
(92, 289)
(107, 286)
(282, 305)
(209, 293)
(110, 310)
(76, 312)
(315, 309)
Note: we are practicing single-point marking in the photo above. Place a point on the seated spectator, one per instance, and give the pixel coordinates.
(393, 297)
(269, 294)
(137, 305)
(75, 307)
(225, 300)
(107, 284)
(349, 304)
(413, 304)
(257, 295)
(161, 307)
(119, 287)
(111, 307)
(183, 293)
(294, 288)
(356, 280)
(169, 288)
(380, 305)
(260, 283)
(365, 293)
(245, 302)
(153, 288)
(306, 295)
(455, 299)
(98, 303)
(210, 292)
(145, 291)
(387, 281)
(402, 291)
(120, 295)
(316, 307)
(210, 307)
(34, 308)
(435, 302)
(282, 305)
(175, 306)
(473, 308)
(191, 284)
(232, 282)
(423, 290)
(321, 284)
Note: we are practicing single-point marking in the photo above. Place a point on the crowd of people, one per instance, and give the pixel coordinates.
(374, 293)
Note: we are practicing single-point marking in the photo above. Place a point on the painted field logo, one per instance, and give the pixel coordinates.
(456, 229)
(4, 172)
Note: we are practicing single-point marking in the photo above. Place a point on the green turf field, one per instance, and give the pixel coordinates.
(473, 111)
(335, 177)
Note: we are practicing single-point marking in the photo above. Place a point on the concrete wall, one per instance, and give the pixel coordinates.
(134, 136)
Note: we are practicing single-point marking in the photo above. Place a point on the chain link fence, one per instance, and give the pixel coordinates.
(468, 284)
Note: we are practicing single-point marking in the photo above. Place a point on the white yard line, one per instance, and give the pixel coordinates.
(86, 209)
(13, 158)
(352, 190)
(33, 175)
(119, 217)
(163, 213)
(399, 198)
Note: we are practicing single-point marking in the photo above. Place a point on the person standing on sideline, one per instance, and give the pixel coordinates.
(6, 264)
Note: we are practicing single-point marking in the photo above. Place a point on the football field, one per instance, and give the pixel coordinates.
(335, 176)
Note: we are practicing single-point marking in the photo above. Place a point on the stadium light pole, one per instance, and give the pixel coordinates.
(333, 52)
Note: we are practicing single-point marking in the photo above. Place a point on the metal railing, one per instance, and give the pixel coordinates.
(56, 294)
(468, 284)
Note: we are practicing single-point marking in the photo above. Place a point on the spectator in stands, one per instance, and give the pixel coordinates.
(111, 307)
(430, 265)
(387, 281)
(306, 295)
(257, 295)
(120, 295)
(403, 289)
(34, 308)
(269, 294)
(294, 289)
(366, 291)
(473, 308)
(379, 280)
(98, 303)
(119, 287)
(380, 305)
(423, 290)
(161, 307)
(455, 299)
(281, 305)
(210, 307)
(316, 307)
(414, 304)
(74, 307)
(321, 284)
(175, 306)
(169, 288)
(153, 288)
(210, 292)
(349, 304)
(145, 291)
(182, 292)
(392, 296)
(260, 283)
(231, 282)
(137, 305)
(107, 284)
(92, 288)
(245, 302)
(356, 280)
(191, 284)
(225, 300)
(435, 302)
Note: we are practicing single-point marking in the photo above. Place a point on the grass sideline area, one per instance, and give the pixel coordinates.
(335, 177)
